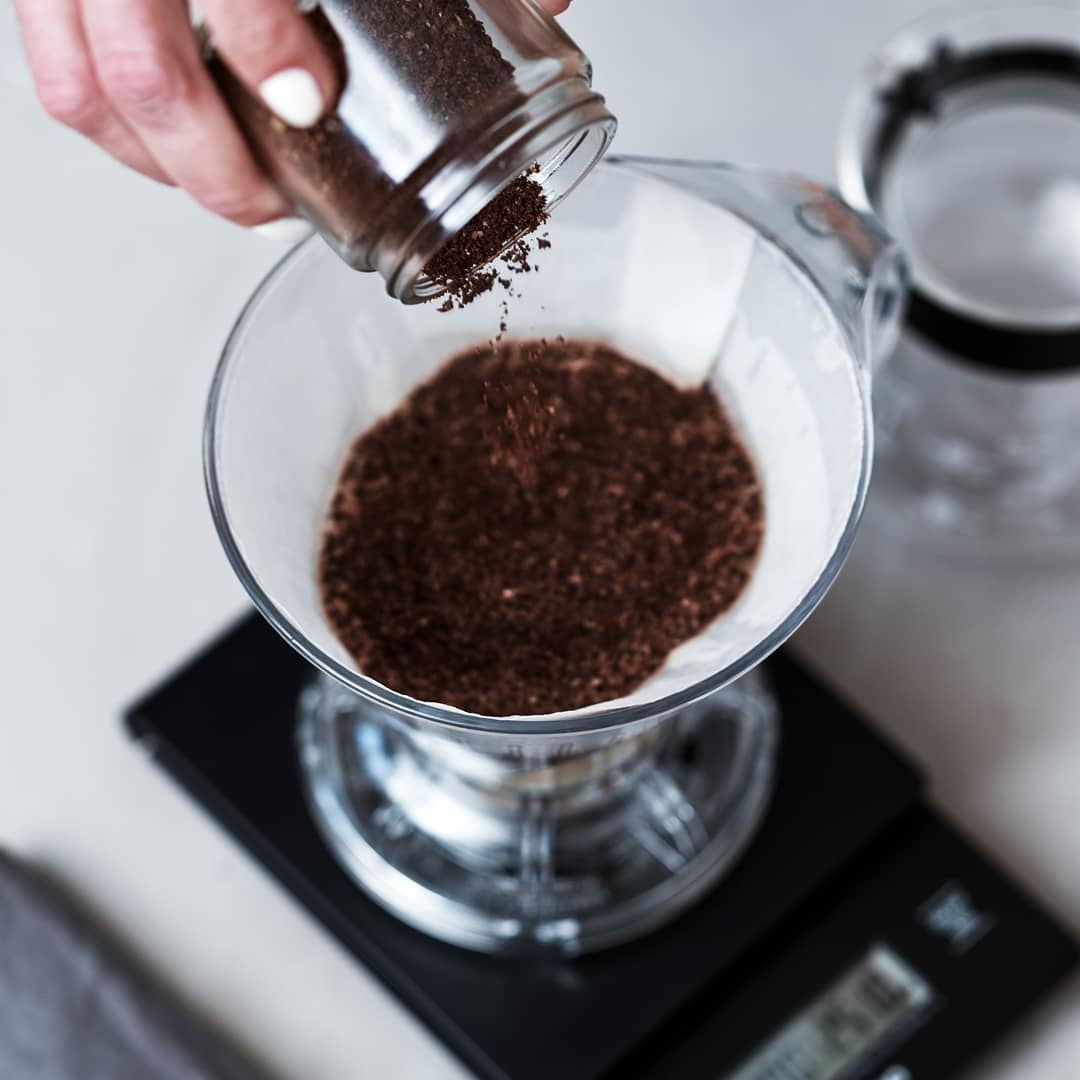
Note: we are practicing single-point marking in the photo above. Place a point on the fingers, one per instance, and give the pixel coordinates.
(148, 66)
(128, 75)
(270, 46)
(67, 84)
(555, 7)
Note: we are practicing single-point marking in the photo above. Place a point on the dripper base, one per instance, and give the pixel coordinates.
(571, 855)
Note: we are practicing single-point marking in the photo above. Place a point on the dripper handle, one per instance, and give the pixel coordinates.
(857, 266)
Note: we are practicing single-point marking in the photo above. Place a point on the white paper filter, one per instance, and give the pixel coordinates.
(673, 282)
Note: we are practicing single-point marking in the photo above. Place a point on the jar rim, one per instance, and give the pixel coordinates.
(564, 129)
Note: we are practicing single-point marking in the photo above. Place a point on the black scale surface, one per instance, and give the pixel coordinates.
(847, 852)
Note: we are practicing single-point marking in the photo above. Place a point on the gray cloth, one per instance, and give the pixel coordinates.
(72, 1008)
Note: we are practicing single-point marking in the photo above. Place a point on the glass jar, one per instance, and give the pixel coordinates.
(965, 141)
(443, 104)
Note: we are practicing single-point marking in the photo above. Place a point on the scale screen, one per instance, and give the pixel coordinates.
(858, 1018)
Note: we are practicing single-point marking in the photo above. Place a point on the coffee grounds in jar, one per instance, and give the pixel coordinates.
(462, 266)
(442, 52)
(536, 528)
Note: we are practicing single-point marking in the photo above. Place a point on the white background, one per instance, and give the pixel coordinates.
(116, 297)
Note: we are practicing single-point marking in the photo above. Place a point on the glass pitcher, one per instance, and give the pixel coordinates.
(964, 139)
(580, 830)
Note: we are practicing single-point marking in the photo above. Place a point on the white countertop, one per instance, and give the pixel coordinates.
(117, 296)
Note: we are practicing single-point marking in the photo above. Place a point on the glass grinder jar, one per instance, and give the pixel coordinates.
(965, 141)
(442, 106)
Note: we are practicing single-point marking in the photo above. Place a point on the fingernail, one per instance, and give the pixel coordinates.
(293, 94)
(290, 229)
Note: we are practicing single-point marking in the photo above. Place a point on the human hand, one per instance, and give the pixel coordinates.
(128, 75)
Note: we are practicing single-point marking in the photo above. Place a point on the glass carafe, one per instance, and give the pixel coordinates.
(964, 139)
(579, 830)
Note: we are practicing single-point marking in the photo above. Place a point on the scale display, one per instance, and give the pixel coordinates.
(854, 1021)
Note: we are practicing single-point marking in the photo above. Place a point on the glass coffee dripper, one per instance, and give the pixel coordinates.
(580, 830)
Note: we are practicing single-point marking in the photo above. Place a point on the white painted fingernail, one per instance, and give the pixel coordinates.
(293, 94)
(290, 229)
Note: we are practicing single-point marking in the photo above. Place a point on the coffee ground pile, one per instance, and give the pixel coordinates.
(440, 55)
(536, 528)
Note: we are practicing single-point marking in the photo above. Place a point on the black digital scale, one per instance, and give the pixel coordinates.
(860, 937)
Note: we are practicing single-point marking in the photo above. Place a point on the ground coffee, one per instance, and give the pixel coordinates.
(462, 267)
(536, 528)
(439, 54)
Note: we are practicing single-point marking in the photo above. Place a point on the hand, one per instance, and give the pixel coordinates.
(127, 74)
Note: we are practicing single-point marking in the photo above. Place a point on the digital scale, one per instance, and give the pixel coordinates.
(859, 938)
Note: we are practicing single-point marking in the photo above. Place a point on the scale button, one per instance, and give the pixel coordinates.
(951, 914)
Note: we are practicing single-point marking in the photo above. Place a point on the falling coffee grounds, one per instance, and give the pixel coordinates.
(536, 528)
